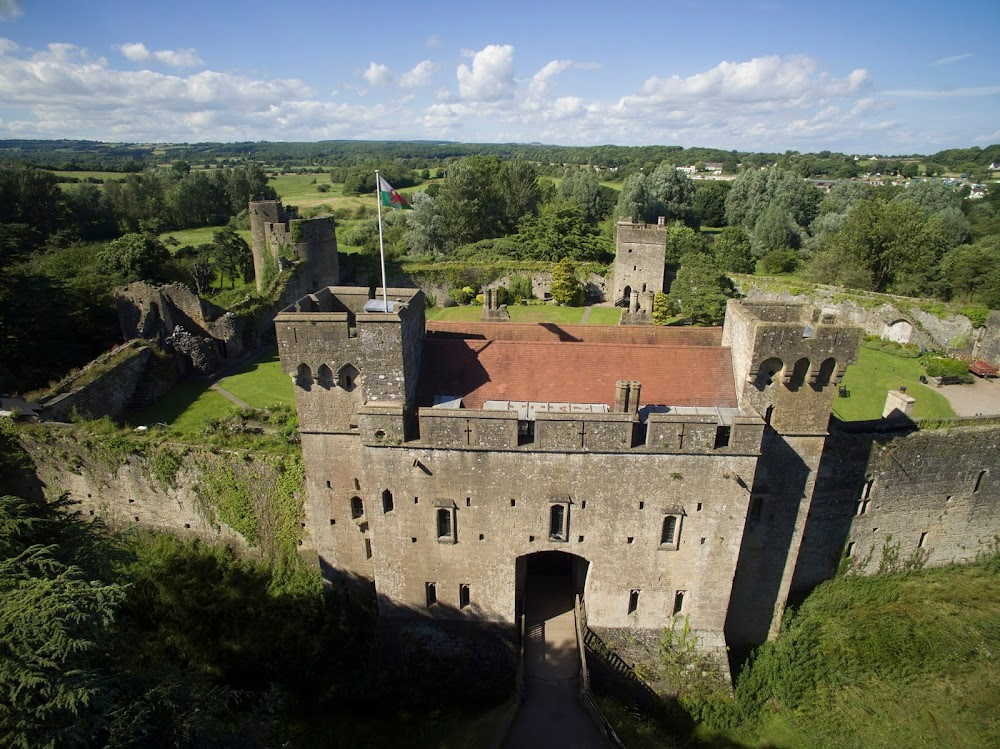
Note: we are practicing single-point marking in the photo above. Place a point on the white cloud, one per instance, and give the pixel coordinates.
(179, 58)
(10, 9)
(419, 75)
(952, 58)
(771, 79)
(937, 93)
(432, 41)
(491, 77)
(378, 74)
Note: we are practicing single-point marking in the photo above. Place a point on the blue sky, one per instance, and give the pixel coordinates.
(859, 77)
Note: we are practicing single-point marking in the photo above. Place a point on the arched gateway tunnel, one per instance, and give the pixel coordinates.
(547, 583)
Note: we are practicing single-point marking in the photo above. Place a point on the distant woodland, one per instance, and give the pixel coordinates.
(79, 218)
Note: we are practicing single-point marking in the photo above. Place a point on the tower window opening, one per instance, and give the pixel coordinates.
(979, 482)
(430, 594)
(464, 597)
(633, 601)
(387, 504)
(678, 602)
(357, 508)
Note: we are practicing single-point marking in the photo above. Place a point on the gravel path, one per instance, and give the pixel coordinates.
(980, 398)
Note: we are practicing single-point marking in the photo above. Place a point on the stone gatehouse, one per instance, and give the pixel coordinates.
(687, 472)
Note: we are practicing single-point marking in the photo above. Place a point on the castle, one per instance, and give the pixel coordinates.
(672, 472)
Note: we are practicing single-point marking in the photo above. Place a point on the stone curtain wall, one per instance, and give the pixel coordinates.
(250, 501)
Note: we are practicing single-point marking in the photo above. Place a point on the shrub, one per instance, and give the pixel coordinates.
(463, 295)
(977, 314)
(942, 366)
(778, 261)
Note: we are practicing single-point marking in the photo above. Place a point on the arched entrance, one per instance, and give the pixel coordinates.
(547, 582)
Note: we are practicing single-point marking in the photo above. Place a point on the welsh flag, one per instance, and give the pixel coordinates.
(391, 198)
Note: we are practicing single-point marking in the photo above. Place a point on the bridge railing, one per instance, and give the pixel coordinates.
(517, 698)
(586, 696)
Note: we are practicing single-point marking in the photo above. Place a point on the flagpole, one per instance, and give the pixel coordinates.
(381, 247)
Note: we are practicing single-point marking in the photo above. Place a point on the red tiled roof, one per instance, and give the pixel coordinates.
(553, 333)
(479, 370)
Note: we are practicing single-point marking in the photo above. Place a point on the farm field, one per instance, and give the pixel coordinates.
(89, 175)
(195, 237)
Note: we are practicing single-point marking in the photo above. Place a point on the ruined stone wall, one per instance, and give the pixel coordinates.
(901, 320)
(108, 393)
(124, 490)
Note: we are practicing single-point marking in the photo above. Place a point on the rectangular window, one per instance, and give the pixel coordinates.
(387, 503)
(633, 601)
(670, 531)
(722, 436)
(678, 602)
(445, 525)
(850, 549)
(557, 522)
(923, 537)
(430, 591)
(368, 548)
(463, 595)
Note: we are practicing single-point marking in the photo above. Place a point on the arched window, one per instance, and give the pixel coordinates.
(347, 377)
(303, 377)
(444, 527)
(557, 522)
(668, 533)
(767, 371)
(798, 374)
(324, 377)
(826, 370)
(357, 507)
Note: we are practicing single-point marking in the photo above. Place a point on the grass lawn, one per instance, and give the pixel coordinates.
(874, 375)
(88, 175)
(261, 383)
(188, 408)
(604, 316)
(518, 313)
(190, 405)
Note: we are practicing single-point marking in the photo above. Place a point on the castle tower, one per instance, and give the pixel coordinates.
(355, 372)
(787, 361)
(277, 234)
(640, 255)
(262, 213)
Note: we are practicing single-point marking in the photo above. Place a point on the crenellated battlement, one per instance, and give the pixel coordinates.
(663, 433)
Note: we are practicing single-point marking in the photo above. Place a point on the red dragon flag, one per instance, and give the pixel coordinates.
(391, 198)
